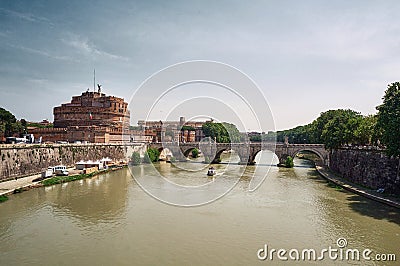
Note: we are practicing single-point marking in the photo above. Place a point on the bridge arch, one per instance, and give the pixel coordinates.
(218, 155)
(186, 152)
(165, 154)
(169, 150)
(315, 151)
(283, 150)
(254, 152)
(219, 152)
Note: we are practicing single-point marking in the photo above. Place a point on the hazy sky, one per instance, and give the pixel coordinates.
(306, 56)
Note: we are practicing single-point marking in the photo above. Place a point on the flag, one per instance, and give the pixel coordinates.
(90, 116)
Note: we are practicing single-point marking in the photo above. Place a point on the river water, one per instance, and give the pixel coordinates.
(110, 220)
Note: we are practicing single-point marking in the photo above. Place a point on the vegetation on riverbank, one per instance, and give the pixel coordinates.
(59, 180)
(333, 185)
(152, 155)
(336, 128)
(62, 179)
(135, 158)
(195, 153)
(388, 121)
(289, 162)
(3, 198)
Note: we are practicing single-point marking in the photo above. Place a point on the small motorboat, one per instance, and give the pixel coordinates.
(211, 171)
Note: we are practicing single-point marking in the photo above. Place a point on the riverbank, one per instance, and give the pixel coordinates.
(19, 184)
(26, 183)
(360, 190)
(23, 160)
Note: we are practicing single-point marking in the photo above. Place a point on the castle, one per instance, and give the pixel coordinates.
(91, 117)
(94, 117)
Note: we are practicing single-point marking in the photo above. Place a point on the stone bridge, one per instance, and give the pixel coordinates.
(247, 151)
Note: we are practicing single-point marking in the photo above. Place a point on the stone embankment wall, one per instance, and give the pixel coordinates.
(22, 160)
(367, 167)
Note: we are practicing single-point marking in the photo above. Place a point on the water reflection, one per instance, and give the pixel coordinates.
(94, 200)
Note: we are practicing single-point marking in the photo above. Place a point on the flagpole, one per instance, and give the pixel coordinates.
(94, 79)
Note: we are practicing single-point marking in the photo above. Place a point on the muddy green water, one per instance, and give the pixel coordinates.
(109, 220)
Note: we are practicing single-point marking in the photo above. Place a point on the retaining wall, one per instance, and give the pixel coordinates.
(23, 160)
(368, 167)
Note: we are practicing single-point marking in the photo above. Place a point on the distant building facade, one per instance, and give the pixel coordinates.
(173, 131)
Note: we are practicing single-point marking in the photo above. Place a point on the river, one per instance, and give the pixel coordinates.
(110, 220)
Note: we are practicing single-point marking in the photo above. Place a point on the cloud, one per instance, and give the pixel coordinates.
(84, 46)
(43, 53)
(38, 81)
(26, 16)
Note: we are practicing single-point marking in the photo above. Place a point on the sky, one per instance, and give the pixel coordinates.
(305, 56)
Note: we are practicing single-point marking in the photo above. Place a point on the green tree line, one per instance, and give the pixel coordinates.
(9, 125)
(336, 128)
(150, 156)
(222, 132)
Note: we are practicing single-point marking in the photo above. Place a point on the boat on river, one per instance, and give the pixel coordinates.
(211, 171)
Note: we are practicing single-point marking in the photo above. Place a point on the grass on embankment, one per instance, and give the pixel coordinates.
(3, 198)
(333, 185)
(62, 179)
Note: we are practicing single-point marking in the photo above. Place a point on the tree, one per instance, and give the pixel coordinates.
(269, 137)
(289, 162)
(366, 133)
(255, 138)
(8, 123)
(135, 158)
(233, 132)
(24, 125)
(195, 153)
(190, 128)
(334, 128)
(340, 128)
(222, 132)
(318, 125)
(297, 135)
(389, 119)
(151, 155)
